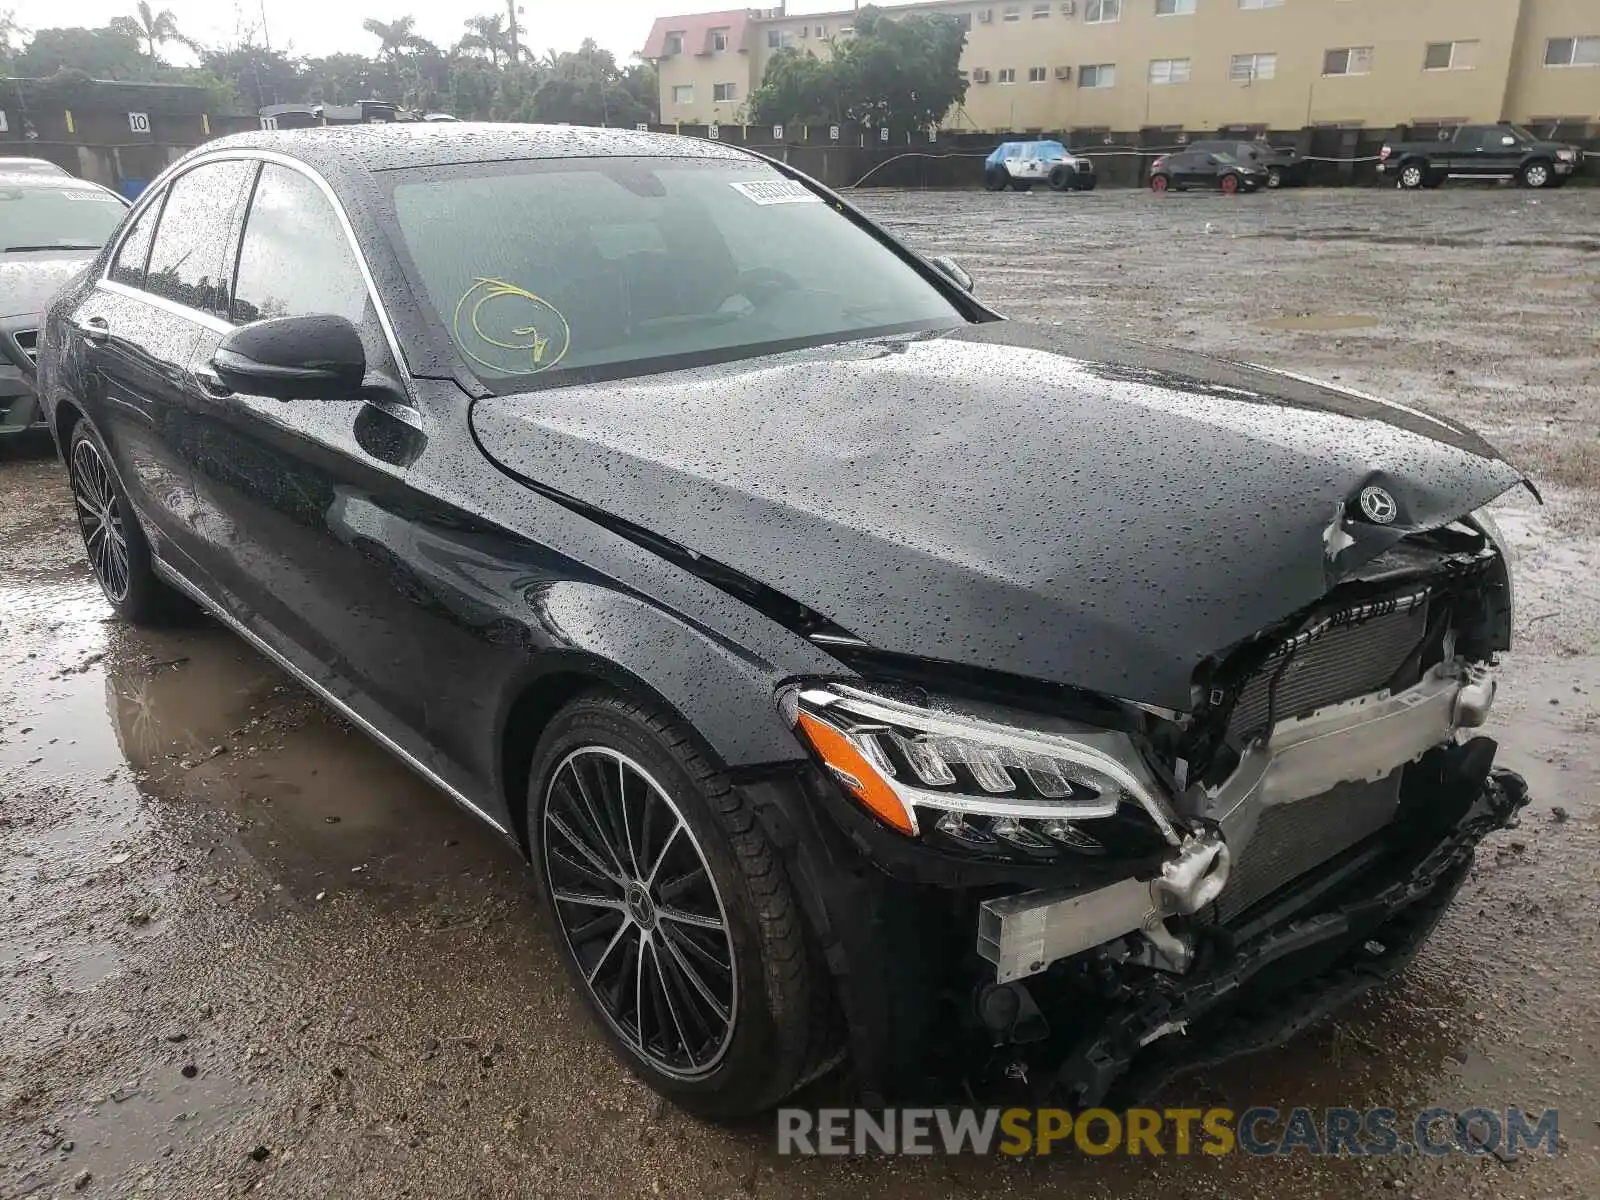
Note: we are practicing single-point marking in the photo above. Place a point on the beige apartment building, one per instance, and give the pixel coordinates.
(1190, 64)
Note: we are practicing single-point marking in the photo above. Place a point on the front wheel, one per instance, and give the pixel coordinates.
(1274, 177)
(1412, 176)
(118, 552)
(677, 920)
(1536, 175)
(1061, 178)
(1159, 184)
(1230, 184)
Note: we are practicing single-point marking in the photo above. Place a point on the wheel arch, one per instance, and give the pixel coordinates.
(65, 419)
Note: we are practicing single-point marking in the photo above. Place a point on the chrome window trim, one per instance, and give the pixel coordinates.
(247, 154)
(200, 316)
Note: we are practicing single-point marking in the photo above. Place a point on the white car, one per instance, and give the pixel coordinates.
(1020, 165)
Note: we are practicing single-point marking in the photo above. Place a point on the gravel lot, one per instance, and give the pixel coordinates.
(242, 950)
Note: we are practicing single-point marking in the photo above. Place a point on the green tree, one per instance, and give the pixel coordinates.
(258, 76)
(98, 53)
(154, 29)
(798, 88)
(10, 33)
(344, 79)
(486, 35)
(900, 71)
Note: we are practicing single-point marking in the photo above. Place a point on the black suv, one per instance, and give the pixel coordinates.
(1283, 167)
(1481, 152)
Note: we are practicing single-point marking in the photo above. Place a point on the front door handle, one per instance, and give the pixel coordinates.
(93, 329)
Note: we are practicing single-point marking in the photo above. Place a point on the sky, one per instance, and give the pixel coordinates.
(316, 27)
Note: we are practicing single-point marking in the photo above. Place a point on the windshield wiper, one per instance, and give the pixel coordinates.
(53, 246)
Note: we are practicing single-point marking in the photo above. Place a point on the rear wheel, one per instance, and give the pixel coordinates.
(1061, 178)
(1274, 177)
(1413, 175)
(677, 920)
(1159, 184)
(1537, 174)
(119, 554)
(1230, 184)
(995, 179)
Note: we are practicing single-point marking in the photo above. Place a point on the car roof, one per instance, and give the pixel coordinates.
(391, 146)
(10, 163)
(50, 183)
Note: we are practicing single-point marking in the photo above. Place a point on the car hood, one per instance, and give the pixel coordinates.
(28, 282)
(1096, 513)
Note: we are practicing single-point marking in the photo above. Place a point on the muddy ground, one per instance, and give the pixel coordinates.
(242, 950)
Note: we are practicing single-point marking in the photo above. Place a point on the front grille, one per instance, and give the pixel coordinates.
(1341, 658)
(28, 342)
(1291, 839)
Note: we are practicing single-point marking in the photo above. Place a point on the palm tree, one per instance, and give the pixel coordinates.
(153, 29)
(487, 34)
(393, 36)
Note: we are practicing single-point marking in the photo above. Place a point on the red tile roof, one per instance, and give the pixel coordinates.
(696, 29)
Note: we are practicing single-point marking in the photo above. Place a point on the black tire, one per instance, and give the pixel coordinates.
(1061, 177)
(1086, 183)
(117, 549)
(1413, 174)
(776, 1033)
(1275, 178)
(1021, 185)
(995, 179)
(1537, 173)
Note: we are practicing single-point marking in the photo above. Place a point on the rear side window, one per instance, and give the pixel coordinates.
(186, 260)
(295, 259)
(135, 249)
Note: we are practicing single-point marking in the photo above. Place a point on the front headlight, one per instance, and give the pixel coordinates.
(1566, 155)
(1497, 538)
(975, 773)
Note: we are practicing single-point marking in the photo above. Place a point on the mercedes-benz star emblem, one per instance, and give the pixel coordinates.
(1378, 505)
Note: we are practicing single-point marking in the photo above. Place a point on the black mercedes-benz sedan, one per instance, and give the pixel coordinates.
(863, 675)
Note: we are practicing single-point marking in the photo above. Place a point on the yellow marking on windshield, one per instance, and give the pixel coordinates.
(531, 351)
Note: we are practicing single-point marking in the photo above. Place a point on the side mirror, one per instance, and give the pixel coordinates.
(949, 267)
(293, 358)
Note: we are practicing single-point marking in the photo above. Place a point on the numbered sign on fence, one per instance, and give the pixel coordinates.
(833, 132)
(4, 128)
(933, 135)
(642, 127)
(777, 133)
(713, 132)
(883, 134)
(139, 122)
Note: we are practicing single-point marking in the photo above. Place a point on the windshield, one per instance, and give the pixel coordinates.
(1052, 150)
(617, 266)
(47, 218)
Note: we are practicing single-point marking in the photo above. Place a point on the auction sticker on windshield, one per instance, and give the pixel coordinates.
(776, 191)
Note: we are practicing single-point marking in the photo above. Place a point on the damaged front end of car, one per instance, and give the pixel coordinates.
(1096, 894)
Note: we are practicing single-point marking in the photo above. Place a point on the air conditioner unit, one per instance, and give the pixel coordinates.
(1069, 8)
(980, 76)
(1063, 72)
(986, 16)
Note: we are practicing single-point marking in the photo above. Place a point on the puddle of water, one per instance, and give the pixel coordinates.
(1320, 322)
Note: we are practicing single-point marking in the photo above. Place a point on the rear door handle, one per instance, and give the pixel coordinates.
(93, 329)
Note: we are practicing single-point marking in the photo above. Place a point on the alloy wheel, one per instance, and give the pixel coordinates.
(1411, 177)
(1537, 175)
(640, 911)
(1158, 184)
(100, 517)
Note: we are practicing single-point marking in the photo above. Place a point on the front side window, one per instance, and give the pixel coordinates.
(34, 217)
(294, 257)
(1101, 12)
(186, 264)
(128, 266)
(620, 266)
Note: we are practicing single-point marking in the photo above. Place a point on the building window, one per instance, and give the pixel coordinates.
(721, 92)
(719, 39)
(1348, 60)
(822, 30)
(1450, 56)
(1260, 3)
(1036, 74)
(1572, 52)
(1006, 75)
(1011, 12)
(683, 93)
(1041, 11)
(674, 44)
(1102, 12)
(1097, 75)
(963, 21)
(1247, 68)
(1174, 8)
(1169, 70)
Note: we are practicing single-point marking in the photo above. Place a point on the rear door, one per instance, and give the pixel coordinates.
(137, 329)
